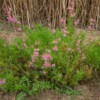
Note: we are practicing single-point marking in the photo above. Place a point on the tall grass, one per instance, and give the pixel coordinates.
(51, 11)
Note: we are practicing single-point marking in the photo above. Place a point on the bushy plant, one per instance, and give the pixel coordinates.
(93, 55)
(48, 59)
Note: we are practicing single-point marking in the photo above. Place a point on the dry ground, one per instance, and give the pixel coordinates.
(89, 91)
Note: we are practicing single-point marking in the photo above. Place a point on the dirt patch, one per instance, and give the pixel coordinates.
(89, 91)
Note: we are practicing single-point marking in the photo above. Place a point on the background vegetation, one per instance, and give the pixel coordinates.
(49, 12)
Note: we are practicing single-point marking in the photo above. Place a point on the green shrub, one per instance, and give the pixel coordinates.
(45, 60)
(93, 55)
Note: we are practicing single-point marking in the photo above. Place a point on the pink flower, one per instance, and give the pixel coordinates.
(33, 58)
(69, 8)
(53, 30)
(91, 28)
(47, 64)
(72, 14)
(79, 49)
(31, 64)
(36, 53)
(19, 29)
(63, 20)
(46, 57)
(55, 48)
(92, 20)
(68, 49)
(53, 65)
(90, 37)
(25, 45)
(78, 41)
(14, 20)
(2, 81)
(18, 22)
(59, 39)
(64, 31)
(10, 18)
(77, 22)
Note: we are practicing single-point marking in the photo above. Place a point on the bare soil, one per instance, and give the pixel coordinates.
(89, 91)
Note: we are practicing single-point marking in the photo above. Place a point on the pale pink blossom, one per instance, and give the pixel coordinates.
(46, 57)
(90, 36)
(55, 48)
(2, 81)
(25, 45)
(47, 64)
(19, 29)
(63, 20)
(18, 22)
(59, 39)
(68, 49)
(78, 41)
(10, 18)
(53, 65)
(53, 31)
(30, 63)
(76, 23)
(36, 53)
(64, 31)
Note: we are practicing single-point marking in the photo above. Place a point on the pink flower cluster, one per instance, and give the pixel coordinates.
(34, 56)
(55, 48)
(11, 18)
(63, 22)
(2, 81)
(69, 49)
(47, 57)
(76, 23)
(64, 30)
(25, 45)
(92, 24)
(47, 60)
(53, 31)
(71, 8)
(78, 42)
(48, 64)
(78, 45)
